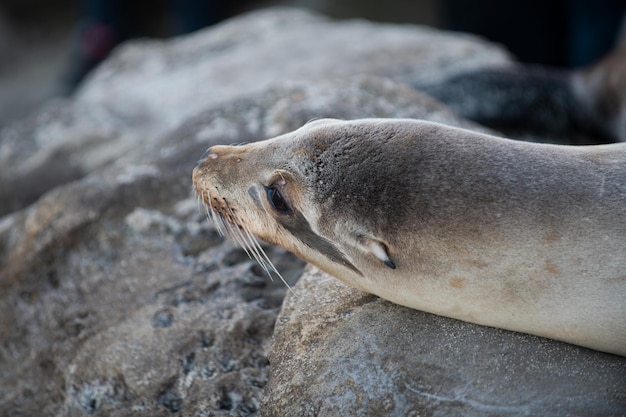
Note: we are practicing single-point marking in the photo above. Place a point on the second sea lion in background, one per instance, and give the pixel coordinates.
(586, 106)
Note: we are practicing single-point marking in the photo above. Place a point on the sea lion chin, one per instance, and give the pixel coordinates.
(521, 236)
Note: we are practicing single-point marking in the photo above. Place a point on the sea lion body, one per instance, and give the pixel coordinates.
(585, 106)
(522, 236)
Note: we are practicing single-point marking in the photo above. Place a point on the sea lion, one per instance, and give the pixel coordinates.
(522, 236)
(584, 106)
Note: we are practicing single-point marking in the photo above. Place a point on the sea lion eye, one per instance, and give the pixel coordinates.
(277, 201)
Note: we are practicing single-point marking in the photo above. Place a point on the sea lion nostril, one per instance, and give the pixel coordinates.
(207, 154)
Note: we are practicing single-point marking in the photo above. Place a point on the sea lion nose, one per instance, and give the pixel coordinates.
(208, 154)
(222, 151)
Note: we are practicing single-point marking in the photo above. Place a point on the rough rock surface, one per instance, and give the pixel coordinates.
(148, 87)
(340, 352)
(117, 297)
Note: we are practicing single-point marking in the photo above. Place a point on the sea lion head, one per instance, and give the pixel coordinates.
(308, 191)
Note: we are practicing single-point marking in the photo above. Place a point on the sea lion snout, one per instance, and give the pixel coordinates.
(207, 154)
(218, 163)
(216, 151)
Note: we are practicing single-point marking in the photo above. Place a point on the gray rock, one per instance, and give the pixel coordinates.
(118, 298)
(340, 352)
(149, 87)
(147, 80)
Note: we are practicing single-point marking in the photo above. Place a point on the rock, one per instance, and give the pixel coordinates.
(118, 298)
(340, 352)
(149, 87)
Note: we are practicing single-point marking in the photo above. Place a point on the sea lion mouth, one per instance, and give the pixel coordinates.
(229, 223)
(221, 214)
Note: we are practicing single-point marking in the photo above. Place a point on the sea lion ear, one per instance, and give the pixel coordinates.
(379, 250)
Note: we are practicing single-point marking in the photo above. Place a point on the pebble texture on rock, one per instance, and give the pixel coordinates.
(117, 297)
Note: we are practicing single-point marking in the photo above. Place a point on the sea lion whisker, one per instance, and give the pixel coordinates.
(211, 214)
(214, 217)
(256, 250)
(246, 247)
(271, 265)
(237, 227)
(251, 246)
(220, 221)
(284, 281)
(237, 236)
(260, 255)
(198, 198)
(247, 241)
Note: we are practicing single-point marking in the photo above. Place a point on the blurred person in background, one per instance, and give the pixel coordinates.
(105, 23)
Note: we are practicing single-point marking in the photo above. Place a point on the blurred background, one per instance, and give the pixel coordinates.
(48, 47)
